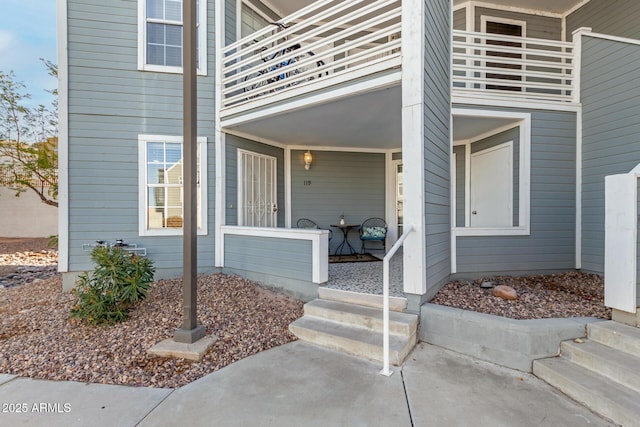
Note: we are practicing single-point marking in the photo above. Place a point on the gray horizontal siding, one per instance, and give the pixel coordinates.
(266, 255)
(542, 27)
(110, 104)
(618, 18)
(460, 19)
(339, 183)
(437, 142)
(233, 143)
(611, 132)
(230, 21)
(551, 243)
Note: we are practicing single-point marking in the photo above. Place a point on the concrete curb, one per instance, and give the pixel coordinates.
(500, 340)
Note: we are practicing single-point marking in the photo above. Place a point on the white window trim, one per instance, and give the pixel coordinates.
(143, 193)
(142, 45)
(524, 206)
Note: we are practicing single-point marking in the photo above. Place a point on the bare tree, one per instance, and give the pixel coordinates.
(28, 140)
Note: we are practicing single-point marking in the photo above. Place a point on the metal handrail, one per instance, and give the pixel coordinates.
(385, 299)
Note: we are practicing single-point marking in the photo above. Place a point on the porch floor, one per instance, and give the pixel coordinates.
(366, 277)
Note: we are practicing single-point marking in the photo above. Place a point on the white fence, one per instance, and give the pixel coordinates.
(332, 41)
(517, 66)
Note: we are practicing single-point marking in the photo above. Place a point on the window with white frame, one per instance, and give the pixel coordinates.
(491, 173)
(160, 36)
(160, 185)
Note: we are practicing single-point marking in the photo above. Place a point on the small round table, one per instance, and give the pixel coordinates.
(345, 228)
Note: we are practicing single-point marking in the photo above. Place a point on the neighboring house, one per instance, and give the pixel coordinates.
(487, 126)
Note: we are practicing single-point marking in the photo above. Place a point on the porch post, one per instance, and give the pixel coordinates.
(414, 255)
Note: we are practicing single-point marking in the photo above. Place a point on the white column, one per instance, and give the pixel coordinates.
(413, 49)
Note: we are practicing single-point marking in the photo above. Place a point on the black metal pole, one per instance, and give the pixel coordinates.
(190, 331)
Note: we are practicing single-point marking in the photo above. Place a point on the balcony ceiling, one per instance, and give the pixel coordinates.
(553, 6)
(367, 120)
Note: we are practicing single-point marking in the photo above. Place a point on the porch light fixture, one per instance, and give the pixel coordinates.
(308, 158)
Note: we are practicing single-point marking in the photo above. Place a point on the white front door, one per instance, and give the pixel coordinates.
(257, 190)
(492, 187)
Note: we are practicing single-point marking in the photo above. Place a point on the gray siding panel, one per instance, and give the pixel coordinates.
(266, 255)
(551, 243)
(437, 151)
(618, 18)
(338, 183)
(110, 104)
(460, 19)
(230, 21)
(611, 132)
(233, 143)
(542, 27)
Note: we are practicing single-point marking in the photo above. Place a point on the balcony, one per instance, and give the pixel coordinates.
(323, 45)
(486, 65)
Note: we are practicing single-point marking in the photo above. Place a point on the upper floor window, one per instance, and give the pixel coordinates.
(160, 36)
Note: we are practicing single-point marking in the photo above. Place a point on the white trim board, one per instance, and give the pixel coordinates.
(63, 138)
(220, 137)
(509, 102)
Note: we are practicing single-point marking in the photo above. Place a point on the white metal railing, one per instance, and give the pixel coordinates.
(329, 39)
(385, 299)
(512, 66)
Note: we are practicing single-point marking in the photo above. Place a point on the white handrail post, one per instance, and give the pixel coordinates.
(385, 300)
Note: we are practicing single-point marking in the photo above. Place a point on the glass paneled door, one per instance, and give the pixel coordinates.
(257, 190)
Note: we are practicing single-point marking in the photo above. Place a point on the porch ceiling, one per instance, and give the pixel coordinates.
(465, 127)
(367, 120)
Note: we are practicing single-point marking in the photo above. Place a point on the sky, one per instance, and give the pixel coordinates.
(28, 33)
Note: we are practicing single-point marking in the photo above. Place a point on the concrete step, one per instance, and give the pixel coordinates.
(403, 324)
(616, 335)
(600, 394)
(350, 339)
(616, 365)
(369, 300)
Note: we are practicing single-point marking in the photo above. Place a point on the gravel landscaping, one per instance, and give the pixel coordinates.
(39, 339)
(571, 294)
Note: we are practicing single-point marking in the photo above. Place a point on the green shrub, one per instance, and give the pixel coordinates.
(120, 279)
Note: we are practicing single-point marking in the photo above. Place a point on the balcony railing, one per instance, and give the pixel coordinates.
(330, 40)
(512, 66)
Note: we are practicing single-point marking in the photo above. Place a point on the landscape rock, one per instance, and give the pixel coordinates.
(505, 292)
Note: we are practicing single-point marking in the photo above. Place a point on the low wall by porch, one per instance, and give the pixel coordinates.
(294, 260)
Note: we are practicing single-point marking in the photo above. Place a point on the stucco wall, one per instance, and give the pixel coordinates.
(26, 216)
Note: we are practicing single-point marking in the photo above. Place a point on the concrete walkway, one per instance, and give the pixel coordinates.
(302, 385)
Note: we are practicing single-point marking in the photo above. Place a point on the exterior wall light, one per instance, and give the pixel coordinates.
(308, 158)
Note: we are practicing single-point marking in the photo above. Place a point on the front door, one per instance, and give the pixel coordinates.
(257, 190)
(492, 187)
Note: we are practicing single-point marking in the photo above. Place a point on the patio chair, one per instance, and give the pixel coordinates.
(307, 223)
(373, 230)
